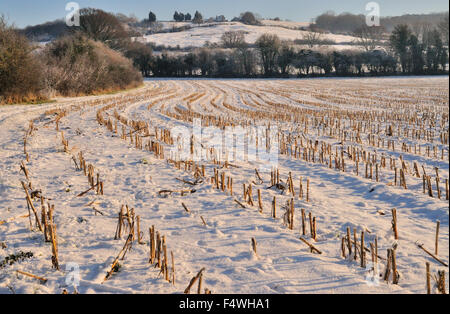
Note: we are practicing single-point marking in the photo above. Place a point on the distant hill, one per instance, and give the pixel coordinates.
(346, 23)
(186, 35)
(413, 19)
(202, 35)
(47, 31)
(191, 35)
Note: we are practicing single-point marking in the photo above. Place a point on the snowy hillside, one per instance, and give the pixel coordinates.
(197, 36)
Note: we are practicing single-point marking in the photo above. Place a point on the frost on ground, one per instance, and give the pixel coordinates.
(198, 36)
(326, 130)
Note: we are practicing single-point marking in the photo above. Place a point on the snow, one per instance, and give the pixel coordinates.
(131, 176)
(198, 36)
(286, 24)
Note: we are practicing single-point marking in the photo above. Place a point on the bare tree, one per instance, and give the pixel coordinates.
(312, 39)
(249, 18)
(268, 46)
(443, 28)
(247, 60)
(422, 31)
(286, 58)
(204, 61)
(233, 39)
(102, 26)
(369, 37)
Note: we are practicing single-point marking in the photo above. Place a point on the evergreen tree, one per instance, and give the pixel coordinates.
(416, 50)
(151, 17)
(176, 16)
(399, 42)
(198, 18)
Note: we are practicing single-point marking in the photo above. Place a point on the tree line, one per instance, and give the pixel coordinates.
(348, 23)
(270, 57)
(100, 55)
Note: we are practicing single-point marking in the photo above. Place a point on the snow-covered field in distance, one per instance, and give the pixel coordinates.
(287, 24)
(197, 36)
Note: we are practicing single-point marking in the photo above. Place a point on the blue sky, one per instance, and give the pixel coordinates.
(31, 12)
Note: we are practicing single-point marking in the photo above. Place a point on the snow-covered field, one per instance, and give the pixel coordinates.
(286, 24)
(319, 124)
(197, 36)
